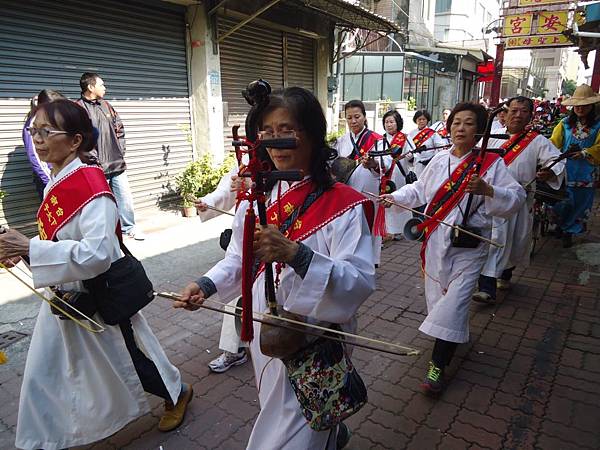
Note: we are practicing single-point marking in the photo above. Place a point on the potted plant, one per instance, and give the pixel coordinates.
(198, 179)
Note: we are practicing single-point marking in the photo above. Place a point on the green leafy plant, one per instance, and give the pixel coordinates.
(568, 87)
(201, 177)
(411, 104)
(334, 135)
(2, 194)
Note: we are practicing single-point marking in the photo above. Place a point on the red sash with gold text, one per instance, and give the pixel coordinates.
(365, 143)
(423, 136)
(329, 205)
(396, 147)
(68, 196)
(398, 142)
(516, 144)
(441, 205)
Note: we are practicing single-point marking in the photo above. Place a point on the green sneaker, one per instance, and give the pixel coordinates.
(434, 380)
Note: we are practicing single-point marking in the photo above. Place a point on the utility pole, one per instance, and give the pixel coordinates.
(496, 82)
(596, 72)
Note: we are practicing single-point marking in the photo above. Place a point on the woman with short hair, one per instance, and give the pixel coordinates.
(396, 168)
(423, 138)
(450, 266)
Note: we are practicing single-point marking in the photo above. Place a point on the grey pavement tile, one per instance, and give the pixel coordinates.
(527, 379)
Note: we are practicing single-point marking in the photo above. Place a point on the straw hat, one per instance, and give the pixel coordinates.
(583, 95)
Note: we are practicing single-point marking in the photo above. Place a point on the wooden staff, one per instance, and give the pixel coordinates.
(222, 211)
(305, 328)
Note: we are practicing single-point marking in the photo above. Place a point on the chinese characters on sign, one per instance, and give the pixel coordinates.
(547, 40)
(552, 22)
(536, 29)
(518, 24)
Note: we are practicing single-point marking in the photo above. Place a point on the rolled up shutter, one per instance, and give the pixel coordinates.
(137, 47)
(281, 58)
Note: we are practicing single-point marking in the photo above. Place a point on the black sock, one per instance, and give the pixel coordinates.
(443, 352)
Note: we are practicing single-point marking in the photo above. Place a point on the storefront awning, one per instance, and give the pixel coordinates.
(476, 54)
(344, 13)
(350, 14)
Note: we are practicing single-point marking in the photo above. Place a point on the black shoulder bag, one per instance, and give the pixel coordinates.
(122, 290)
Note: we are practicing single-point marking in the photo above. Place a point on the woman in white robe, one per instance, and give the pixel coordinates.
(78, 387)
(224, 197)
(395, 218)
(451, 273)
(420, 160)
(326, 276)
(356, 144)
(514, 233)
(440, 126)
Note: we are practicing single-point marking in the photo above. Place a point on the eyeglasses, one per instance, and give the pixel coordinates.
(44, 132)
(284, 134)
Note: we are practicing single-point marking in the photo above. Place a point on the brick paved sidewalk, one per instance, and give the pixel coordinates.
(528, 378)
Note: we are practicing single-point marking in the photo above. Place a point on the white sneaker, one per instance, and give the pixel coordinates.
(227, 360)
(483, 297)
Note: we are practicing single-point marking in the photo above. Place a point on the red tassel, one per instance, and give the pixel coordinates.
(247, 333)
(379, 228)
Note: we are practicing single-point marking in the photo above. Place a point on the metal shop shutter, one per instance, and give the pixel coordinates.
(300, 61)
(248, 54)
(137, 47)
(281, 58)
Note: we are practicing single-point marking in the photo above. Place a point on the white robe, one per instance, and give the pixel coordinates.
(80, 387)
(396, 218)
(362, 179)
(339, 279)
(498, 128)
(515, 232)
(451, 273)
(439, 126)
(434, 141)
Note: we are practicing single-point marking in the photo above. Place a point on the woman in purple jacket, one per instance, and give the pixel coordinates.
(41, 170)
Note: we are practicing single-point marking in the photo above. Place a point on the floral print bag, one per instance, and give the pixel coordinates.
(327, 385)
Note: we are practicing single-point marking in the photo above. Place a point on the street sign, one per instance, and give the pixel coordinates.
(546, 40)
(550, 22)
(518, 24)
